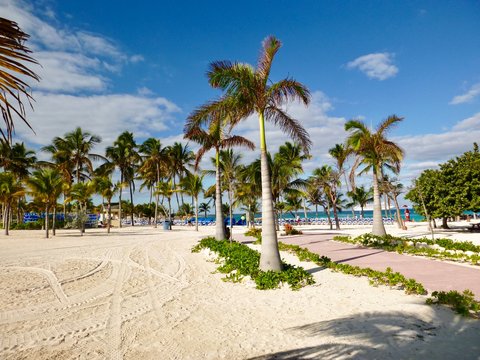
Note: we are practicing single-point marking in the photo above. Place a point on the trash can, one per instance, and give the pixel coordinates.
(166, 225)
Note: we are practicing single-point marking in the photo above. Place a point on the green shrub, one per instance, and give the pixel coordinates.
(239, 261)
(464, 304)
(398, 244)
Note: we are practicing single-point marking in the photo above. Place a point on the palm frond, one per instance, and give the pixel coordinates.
(290, 126)
(288, 90)
(270, 46)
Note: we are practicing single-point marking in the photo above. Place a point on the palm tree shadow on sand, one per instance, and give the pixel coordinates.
(385, 335)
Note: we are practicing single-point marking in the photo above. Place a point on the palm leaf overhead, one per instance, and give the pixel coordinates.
(12, 53)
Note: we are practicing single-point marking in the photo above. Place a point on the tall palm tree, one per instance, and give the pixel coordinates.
(165, 188)
(375, 152)
(341, 153)
(329, 179)
(360, 196)
(393, 190)
(181, 159)
(249, 90)
(214, 137)
(154, 163)
(13, 74)
(204, 207)
(76, 149)
(82, 192)
(230, 167)
(106, 188)
(17, 159)
(314, 195)
(10, 189)
(192, 185)
(123, 154)
(46, 185)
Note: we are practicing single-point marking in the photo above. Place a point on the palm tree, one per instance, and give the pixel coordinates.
(205, 208)
(10, 189)
(76, 149)
(181, 159)
(105, 187)
(375, 152)
(46, 185)
(230, 167)
(314, 195)
(329, 179)
(360, 196)
(12, 75)
(123, 154)
(192, 185)
(393, 190)
(248, 90)
(154, 163)
(341, 153)
(82, 192)
(165, 188)
(16, 159)
(214, 137)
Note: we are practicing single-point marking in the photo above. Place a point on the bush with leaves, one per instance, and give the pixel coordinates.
(239, 260)
(290, 230)
(411, 246)
(464, 304)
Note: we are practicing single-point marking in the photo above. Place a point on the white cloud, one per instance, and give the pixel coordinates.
(428, 150)
(68, 72)
(472, 93)
(376, 66)
(104, 115)
(71, 60)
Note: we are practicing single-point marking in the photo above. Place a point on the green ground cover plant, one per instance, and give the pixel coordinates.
(238, 261)
(458, 250)
(463, 303)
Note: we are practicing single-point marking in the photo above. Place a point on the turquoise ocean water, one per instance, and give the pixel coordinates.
(342, 214)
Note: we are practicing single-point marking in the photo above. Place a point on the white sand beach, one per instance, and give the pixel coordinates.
(140, 293)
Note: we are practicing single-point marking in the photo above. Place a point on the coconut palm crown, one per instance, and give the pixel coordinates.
(376, 153)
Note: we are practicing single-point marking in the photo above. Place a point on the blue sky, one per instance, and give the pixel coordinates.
(111, 66)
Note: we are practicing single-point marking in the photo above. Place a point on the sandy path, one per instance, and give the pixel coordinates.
(141, 294)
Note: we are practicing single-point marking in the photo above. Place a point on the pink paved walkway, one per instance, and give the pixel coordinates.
(433, 274)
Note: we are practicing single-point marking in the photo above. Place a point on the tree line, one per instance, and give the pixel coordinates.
(246, 90)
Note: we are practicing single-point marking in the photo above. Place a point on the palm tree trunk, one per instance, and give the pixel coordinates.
(219, 226)
(54, 219)
(176, 193)
(46, 221)
(305, 210)
(270, 256)
(131, 200)
(378, 227)
(195, 202)
(156, 197)
(169, 213)
(230, 193)
(335, 215)
(109, 221)
(120, 201)
(6, 218)
(401, 225)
